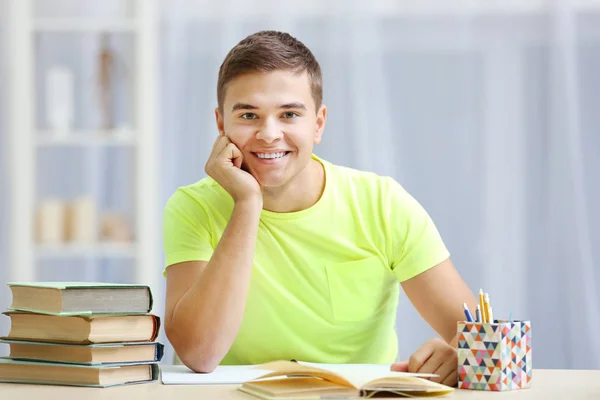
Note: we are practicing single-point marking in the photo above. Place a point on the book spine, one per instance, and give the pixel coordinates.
(159, 352)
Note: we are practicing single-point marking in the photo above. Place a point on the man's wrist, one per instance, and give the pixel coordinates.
(250, 204)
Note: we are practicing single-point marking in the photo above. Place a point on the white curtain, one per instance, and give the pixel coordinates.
(486, 111)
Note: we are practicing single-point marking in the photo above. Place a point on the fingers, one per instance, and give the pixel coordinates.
(232, 153)
(224, 148)
(447, 367)
(452, 379)
(401, 366)
(420, 357)
(221, 142)
(432, 365)
(436, 357)
(223, 153)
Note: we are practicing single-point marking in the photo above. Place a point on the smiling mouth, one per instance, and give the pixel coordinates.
(271, 156)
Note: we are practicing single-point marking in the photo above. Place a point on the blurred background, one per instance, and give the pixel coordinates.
(487, 111)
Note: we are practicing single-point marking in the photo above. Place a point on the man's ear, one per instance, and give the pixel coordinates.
(220, 122)
(320, 125)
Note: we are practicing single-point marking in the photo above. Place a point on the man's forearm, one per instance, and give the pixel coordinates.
(454, 342)
(209, 315)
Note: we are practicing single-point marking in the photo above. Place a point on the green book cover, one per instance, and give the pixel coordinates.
(77, 285)
(66, 286)
(158, 352)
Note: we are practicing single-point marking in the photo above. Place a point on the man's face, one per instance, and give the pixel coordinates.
(271, 118)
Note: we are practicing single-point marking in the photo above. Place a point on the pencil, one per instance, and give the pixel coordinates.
(468, 313)
(482, 306)
(486, 302)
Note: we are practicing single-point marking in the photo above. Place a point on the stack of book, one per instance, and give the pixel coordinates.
(81, 334)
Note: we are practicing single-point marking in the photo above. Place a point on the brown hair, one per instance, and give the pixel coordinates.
(267, 51)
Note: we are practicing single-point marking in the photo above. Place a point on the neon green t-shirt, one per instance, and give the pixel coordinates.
(324, 286)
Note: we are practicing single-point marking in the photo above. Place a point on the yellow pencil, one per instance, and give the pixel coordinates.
(482, 306)
(486, 302)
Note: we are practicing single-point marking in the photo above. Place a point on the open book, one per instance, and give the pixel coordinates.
(302, 380)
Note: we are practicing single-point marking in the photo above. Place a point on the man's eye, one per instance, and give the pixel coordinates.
(248, 116)
(290, 114)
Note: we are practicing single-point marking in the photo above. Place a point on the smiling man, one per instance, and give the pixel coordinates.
(279, 254)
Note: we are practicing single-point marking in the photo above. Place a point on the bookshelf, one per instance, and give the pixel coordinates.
(25, 140)
(98, 138)
(105, 250)
(75, 26)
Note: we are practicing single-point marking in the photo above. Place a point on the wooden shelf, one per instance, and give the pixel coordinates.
(75, 26)
(86, 138)
(108, 250)
(24, 25)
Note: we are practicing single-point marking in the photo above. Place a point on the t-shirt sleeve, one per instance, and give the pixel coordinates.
(185, 230)
(416, 244)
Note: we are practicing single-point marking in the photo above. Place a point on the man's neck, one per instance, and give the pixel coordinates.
(302, 193)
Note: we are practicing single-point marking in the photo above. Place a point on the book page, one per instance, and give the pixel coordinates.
(289, 368)
(222, 375)
(361, 374)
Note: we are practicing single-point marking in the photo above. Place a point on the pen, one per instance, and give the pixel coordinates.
(482, 306)
(478, 314)
(468, 313)
(486, 303)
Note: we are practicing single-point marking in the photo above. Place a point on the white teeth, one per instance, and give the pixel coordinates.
(270, 155)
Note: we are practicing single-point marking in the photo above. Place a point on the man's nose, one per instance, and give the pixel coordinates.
(269, 132)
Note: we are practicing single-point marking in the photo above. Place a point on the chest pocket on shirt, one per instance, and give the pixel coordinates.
(358, 289)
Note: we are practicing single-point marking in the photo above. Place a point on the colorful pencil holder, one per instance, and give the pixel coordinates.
(494, 356)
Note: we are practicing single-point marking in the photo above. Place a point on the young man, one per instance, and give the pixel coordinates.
(279, 254)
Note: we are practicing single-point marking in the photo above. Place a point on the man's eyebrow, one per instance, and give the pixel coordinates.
(293, 105)
(286, 106)
(243, 106)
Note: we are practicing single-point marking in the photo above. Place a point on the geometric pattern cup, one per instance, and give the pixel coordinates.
(494, 356)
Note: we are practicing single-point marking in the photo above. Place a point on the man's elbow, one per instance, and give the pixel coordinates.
(201, 365)
(198, 358)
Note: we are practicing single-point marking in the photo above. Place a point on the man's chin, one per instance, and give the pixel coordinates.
(271, 182)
